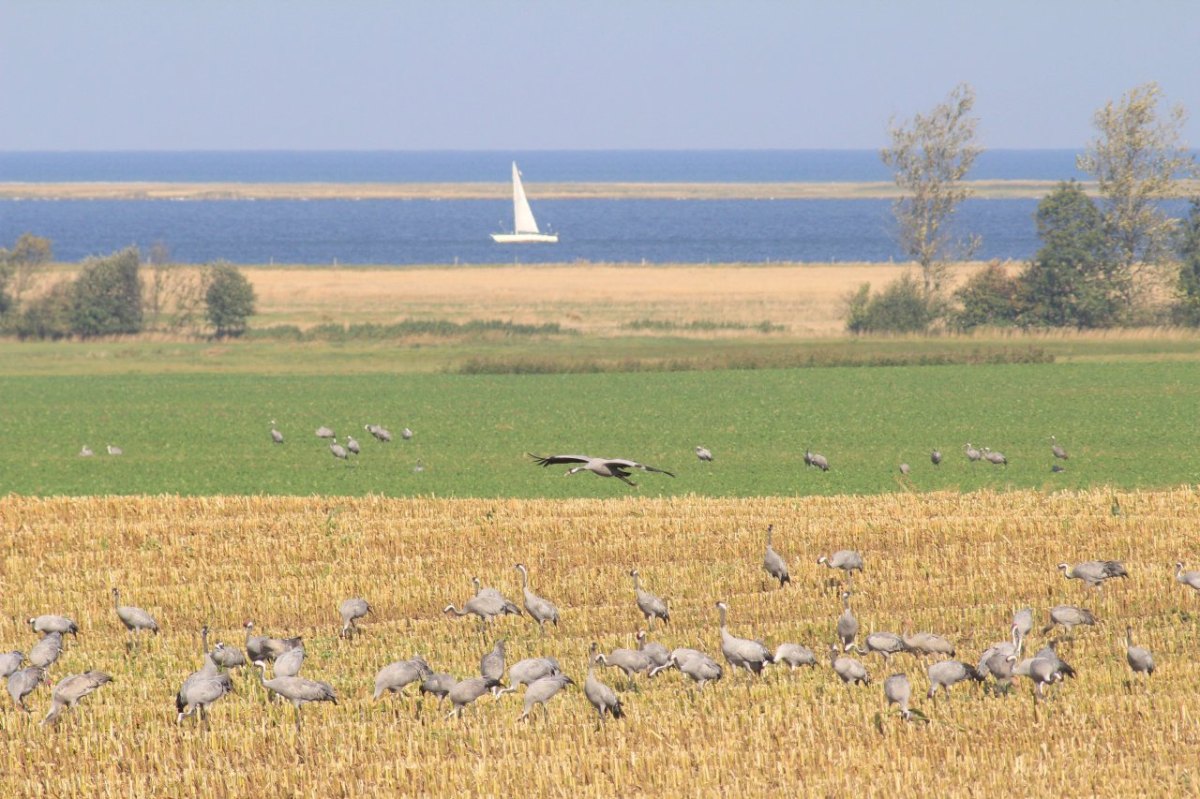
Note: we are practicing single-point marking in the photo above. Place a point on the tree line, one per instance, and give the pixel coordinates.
(1120, 261)
(109, 296)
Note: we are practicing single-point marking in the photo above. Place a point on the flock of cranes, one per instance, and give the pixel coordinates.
(544, 678)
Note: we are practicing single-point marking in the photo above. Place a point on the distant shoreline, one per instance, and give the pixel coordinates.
(153, 190)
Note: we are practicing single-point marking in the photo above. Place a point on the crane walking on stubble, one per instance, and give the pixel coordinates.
(71, 689)
(134, 618)
(542, 610)
(742, 653)
(297, 690)
(351, 610)
(773, 562)
(603, 698)
(650, 605)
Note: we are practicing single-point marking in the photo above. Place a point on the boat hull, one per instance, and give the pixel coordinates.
(525, 238)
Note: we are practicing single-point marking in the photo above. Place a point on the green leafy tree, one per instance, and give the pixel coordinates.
(1074, 279)
(230, 300)
(990, 297)
(49, 316)
(930, 156)
(1137, 159)
(902, 307)
(1188, 309)
(19, 268)
(108, 296)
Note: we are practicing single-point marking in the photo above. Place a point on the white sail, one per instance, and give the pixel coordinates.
(525, 229)
(523, 221)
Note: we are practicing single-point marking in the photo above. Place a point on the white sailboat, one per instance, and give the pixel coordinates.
(525, 227)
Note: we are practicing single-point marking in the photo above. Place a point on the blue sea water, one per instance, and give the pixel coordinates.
(456, 231)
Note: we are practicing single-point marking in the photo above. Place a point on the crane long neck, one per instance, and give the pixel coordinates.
(456, 611)
(1128, 636)
(204, 640)
(116, 599)
(524, 578)
(770, 530)
(721, 610)
(636, 583)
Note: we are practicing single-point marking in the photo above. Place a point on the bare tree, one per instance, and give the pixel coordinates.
(175, 294)
(930, 156)
(1137, 159)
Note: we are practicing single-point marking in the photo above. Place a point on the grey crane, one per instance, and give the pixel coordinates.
(289, 663)
(1093, 572)
(22, 683)
(352, 446)
(114, 450)
(1069, 617)
(261, 647)
(994, 458)
(86, 452)
(847, 625)
(395, 676)
(351, 610)
(925, 643)
(488, 591)
(1058, 451)
(629, 661)
(704, 454)
(742, 653)
(541, 691)
(135, 619)
(467, 691)
(48, 623)
(539, 608)
(817, 460)
(898, 691)
(338, 451)
(439, 684)
(1023, 621)
(406, 434)
(1048, 653)
(696, 666)
(935, 457)
(972, 453)
(885, 643)
(947, 673)
(650, 605)
(10, 662)
(380, 433)
(1189, 578)
(603, 698)
(848, 670)
(995, 659)
(794, 655)
(70, 690)
(200, 691)
(46, 651)
(324, 432)
(658, 654)
(1040, 671)
(297, 690)
(491, 665)
(204, 686)
(486, 604)
(1138, 658)
(276, 436)
(847, 560)
(601, 467)
(773, 562)
(526, 672)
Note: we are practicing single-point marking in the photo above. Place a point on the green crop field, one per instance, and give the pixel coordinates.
(1126, 424)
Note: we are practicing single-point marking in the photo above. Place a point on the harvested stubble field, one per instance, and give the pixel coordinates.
(953, 563)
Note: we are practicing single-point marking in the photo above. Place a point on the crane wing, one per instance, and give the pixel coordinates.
(550, 460)
(627, 464)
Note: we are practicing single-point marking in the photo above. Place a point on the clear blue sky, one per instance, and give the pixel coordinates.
(619, 74)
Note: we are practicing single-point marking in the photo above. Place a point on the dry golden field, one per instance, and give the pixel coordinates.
(955, 564)
(598, 299)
